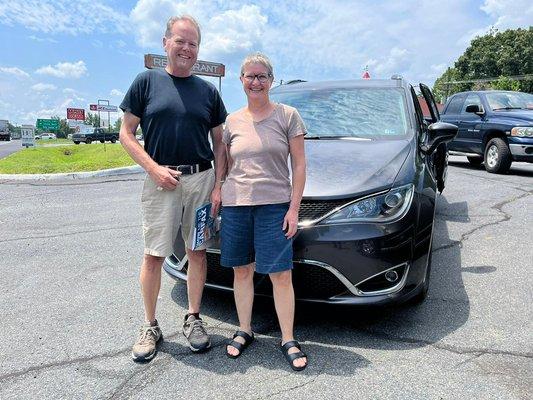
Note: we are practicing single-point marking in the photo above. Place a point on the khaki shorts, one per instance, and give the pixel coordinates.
(163, 212)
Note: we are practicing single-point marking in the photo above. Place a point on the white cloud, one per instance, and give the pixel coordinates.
(65, 70)
(14, 71)
(41, 39)
(63, 16)
(43, 87)
(227, 30)
(116, 92)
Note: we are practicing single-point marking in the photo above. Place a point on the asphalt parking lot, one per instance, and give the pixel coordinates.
(71, 307)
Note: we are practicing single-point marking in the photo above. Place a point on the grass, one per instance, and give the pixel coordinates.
(45, 142)
(46, 160)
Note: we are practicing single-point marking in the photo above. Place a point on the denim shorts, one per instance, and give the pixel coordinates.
(254, 233)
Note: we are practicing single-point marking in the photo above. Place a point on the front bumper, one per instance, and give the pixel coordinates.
(521, 148)
(342, 264)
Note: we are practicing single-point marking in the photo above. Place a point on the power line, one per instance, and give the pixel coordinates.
(513, 78)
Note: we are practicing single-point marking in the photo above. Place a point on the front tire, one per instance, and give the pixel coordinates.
(88, 141)
(497, 156)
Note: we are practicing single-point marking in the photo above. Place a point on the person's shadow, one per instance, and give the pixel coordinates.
(325, 331)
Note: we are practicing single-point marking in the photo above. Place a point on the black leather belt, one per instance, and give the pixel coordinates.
(191, 168)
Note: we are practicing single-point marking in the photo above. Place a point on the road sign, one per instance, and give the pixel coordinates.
(103, 107)
(76, 113)
(27, 135)
(206, 68)
(48, 124)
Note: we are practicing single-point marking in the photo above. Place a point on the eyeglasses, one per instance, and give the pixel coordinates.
(262, 78)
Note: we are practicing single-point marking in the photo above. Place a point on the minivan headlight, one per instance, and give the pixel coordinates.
(385, 207)
(522, 131)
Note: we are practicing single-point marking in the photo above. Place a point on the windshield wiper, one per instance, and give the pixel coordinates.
(329, 137)
(508, 108)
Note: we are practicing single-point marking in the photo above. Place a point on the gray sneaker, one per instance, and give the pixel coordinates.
(145, 347)
(195, 333)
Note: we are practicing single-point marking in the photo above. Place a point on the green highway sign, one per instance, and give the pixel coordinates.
(48, 124)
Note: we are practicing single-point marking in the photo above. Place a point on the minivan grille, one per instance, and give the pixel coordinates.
(310, 281)
(314, 209)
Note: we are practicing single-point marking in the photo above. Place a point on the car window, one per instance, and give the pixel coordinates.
(455, 105)
(472, 98)
(356, 112)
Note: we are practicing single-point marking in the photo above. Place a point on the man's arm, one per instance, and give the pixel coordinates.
(163, 177)
(219, 149)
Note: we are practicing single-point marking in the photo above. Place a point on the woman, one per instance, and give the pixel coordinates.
(259, 207)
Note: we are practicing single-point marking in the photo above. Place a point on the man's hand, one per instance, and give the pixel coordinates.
(215, 201)
(165, 178)
(290, 223)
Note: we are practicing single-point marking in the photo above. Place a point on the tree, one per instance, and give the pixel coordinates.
(493, 58)
(64, 130)
(117, 124)
(92, 119)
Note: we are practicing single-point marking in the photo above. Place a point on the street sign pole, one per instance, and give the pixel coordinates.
(105, 103)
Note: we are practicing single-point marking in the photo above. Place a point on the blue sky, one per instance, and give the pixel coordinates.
(59, 54)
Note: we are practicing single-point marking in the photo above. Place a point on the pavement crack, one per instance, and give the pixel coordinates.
(63, 363)
(73, 233)
(446, 347)
(497, 207)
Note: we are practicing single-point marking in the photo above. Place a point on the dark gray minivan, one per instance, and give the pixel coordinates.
(374, 168)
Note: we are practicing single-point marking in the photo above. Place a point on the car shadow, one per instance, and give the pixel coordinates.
(326, 327)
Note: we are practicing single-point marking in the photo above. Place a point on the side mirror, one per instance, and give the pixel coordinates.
(438, 133)
(475, 109)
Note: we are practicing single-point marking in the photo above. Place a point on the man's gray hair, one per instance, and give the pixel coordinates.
(258, 58)
(185, 17)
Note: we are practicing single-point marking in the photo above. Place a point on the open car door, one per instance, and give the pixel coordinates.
(440, 155)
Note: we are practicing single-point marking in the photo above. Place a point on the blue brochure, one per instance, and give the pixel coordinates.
(204, 226)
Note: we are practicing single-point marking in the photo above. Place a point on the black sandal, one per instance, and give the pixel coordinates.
(240, 346)
(293, 356)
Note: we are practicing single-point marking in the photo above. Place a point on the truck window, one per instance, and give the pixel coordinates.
(454, 107)
(471, 99)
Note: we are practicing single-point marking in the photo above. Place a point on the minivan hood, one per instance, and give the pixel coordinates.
(344, 168)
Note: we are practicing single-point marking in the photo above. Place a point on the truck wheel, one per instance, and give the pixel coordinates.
(475, 160)
(102, 141)
(88, 141)
(497, 157)
(113, 140)
(76, 142)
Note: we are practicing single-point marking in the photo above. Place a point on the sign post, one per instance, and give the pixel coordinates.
(27, 135)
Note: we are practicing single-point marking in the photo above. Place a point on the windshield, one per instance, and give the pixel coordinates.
(86, 129)
(373, 113)
(510, 101)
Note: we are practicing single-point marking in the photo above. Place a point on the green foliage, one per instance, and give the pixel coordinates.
(498, 55)
(92, 119)
(504, 83)
(117, 125)
(72, 158)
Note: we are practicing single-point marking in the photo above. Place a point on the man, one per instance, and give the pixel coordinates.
(176, 111)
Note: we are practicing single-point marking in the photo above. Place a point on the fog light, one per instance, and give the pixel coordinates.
(391, 276)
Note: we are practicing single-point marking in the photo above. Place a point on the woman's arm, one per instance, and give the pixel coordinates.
(297, 152)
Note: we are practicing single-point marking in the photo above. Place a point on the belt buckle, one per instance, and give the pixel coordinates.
(186, 169)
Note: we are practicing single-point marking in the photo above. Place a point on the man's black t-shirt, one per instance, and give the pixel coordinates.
(176, 115)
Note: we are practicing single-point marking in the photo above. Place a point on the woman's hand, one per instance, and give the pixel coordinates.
(290, 223)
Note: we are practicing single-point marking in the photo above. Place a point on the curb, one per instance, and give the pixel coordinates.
(135, 169)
